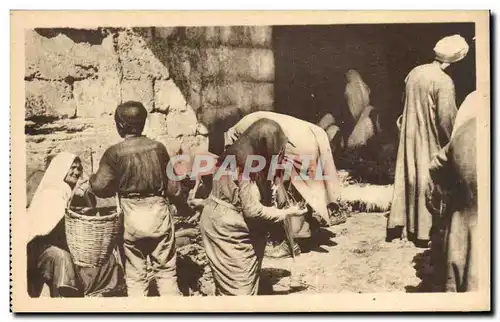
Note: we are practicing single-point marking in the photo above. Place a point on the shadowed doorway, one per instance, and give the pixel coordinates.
(311, 62)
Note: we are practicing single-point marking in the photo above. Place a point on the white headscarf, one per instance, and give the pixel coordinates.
(49, 202)
(357, 94)
(451, 49)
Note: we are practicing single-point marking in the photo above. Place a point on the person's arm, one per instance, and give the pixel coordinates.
(446, 110)
(438, 163)
(173, 189)
(104, 183)
(436, 188)
(253, 208)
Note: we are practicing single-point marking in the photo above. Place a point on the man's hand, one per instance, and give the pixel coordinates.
(196, 203)
(296, 211)
(82, 188)
(293, 211)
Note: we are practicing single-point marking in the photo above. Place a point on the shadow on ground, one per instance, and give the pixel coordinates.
(321, 237)
(426, 273)
(270, 277)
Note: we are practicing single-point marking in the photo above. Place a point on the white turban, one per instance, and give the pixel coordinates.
(451, 49)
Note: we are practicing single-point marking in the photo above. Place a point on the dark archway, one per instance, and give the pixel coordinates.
(311, 62)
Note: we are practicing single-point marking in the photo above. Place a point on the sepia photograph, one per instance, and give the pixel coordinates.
(250, 161)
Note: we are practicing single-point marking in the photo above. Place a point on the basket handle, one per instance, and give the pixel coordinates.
(118, 205)
(70, 198)
(86, 197)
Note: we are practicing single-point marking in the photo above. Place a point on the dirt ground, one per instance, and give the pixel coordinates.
(353, 257)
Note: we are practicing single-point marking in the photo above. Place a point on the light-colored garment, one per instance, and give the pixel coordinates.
(426, 127)
(357, 94)
(49, 202)
(469, 109)
(149, 232)
(304, 138)
(233, 236)
(233, 222)
(455, 174)
(52, 264)
(451, 49)
(365, 129)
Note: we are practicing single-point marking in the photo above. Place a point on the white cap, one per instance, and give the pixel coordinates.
(451, 49)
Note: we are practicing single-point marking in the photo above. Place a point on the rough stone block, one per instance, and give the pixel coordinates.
(212, 35)
(246, 36)
(109, 63)
(146, 33)
(156, 125)
(190, 145)
(185, 62)
(168, 97)
(245, 110)
(49, 99)
(99, 137)
(38, 131)
(195, 98)
(97, 97)
(138, 90)
(138, 61)
(59, 57)
(181, 123)
(80, 146)
(245, 94)
(240, 36)
(210, 62)
(171, 144)
(195, 145)
(195, 35)
(209, 95)
(222, 115)
(35, 158)
(248, 64)
(165, 32)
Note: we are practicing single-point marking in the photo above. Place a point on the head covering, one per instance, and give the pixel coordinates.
(352, 75)
(357, 94)
(451, 49)
(48, 205)
(264, 138)
(131, 114)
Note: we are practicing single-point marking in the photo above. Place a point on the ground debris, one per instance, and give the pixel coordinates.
(194, 275)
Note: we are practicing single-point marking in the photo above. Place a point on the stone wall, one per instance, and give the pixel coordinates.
(190, 80)
(223, 72)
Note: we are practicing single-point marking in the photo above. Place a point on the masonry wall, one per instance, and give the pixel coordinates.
(192, 81)
(224, 72)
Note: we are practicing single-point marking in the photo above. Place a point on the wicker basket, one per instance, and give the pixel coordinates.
(91, 239)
